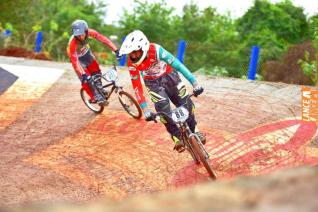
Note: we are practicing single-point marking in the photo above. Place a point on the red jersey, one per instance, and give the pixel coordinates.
(151, 68)
(77, 49)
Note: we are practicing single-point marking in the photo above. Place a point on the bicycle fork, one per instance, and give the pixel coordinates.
(190, 134)
(187, 135)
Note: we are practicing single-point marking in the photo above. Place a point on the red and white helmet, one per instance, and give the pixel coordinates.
(134, 41)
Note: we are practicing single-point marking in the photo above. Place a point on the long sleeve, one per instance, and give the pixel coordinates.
(101, 38)
(176, 64)
(137, 85)
(71, 52)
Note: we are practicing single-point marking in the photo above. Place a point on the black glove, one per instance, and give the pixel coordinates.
(149, 115)
(118, 57)
(84, 78)
(197, 89)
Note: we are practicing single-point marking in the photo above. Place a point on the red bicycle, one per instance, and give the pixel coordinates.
(109, 78)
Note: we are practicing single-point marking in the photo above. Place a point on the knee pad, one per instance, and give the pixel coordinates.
(182, 91)
(155, 98)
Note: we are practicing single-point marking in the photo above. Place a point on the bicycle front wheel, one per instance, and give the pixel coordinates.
(194, 142)
(96, 108)
(130, 105)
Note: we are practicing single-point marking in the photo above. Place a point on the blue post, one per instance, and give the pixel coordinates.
(122, 61)
(181, 50)
(253, 62)
(7, 33)
(38, 41)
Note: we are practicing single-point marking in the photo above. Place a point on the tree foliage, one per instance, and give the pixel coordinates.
(284, 20)
(54, 18)
(214, 41)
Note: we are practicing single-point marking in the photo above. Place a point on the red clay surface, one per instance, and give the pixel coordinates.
(21, 52)
(59, 150)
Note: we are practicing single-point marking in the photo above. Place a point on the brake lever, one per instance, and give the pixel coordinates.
(155, 119)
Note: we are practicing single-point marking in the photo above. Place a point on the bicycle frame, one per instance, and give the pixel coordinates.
(115, 86)
(186, 133)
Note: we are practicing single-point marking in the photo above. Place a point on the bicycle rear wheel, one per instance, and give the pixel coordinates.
(130, 105)
(96, 108)
(194, 142)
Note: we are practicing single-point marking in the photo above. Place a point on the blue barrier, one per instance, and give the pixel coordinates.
(38, 41)
(253, 63)
(122, 61)
(181, 50)
(7, 33)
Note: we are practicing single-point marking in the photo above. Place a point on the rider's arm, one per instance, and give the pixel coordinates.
(101, 38)
(136, 83)
(176, 64)
(71, 52)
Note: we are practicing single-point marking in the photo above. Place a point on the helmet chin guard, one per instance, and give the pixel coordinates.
(134, 41)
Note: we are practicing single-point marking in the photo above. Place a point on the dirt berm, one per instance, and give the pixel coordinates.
(55, 151)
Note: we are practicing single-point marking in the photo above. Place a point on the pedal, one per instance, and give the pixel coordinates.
(105, 103)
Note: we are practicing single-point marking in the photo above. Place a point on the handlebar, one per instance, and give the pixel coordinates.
(167, 115)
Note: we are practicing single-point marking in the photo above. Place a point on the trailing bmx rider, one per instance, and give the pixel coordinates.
(83, 60)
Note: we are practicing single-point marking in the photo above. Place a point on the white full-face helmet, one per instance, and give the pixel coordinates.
(135, 41)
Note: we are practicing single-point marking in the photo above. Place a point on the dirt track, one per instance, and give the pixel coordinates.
(55, 149)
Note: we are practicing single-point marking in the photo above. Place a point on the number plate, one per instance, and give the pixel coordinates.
(180, 114)
(110, 75)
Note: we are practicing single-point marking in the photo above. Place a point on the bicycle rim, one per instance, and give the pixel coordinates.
(96, 108)
(129, 104)
(199, 152)
(191, 151)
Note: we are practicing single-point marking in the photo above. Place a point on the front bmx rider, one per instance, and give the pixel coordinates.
(159, 69)
(83, 60)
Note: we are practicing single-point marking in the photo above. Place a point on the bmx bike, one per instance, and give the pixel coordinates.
(191, 141)
(109, 78)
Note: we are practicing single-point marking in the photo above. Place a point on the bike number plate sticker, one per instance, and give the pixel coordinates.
(180, 114)
(111, 75)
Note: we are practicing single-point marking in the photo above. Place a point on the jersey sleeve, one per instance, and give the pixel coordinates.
(167, 57)
(137, 85)
(101, 38)
(71, 52)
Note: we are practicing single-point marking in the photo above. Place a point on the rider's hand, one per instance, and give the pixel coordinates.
(149, 115)
(197, 89)
(84, 78)
(118, 57)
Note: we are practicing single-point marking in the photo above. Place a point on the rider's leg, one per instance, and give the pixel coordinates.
(88, 90)
(92, 70)
(178, 95)
(90, 65)
(161, 100)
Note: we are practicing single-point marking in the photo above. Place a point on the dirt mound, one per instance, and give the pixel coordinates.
(54, 149)
(275, 192)
(288, 70)
(21, 52)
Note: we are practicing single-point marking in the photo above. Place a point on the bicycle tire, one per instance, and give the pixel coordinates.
(100, 108)
(190, 150)
(197, 150)
(138, 115)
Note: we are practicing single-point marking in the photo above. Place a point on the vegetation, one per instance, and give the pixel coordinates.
(310, 66)
(216, 44)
